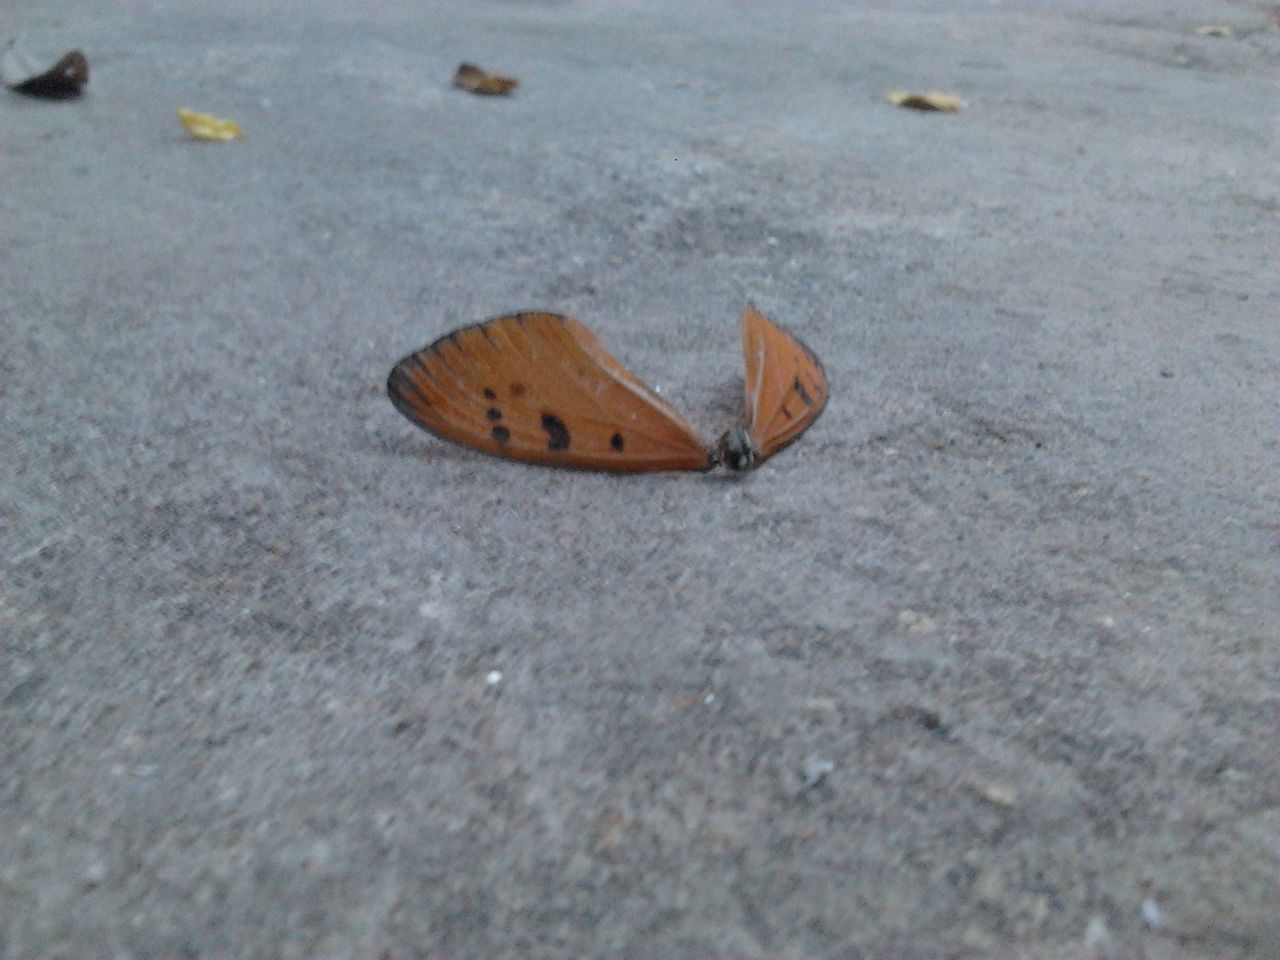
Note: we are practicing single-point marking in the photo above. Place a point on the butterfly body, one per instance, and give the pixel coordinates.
(736, 450)
(539, 387)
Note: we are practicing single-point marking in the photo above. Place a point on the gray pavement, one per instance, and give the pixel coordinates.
(985, 666)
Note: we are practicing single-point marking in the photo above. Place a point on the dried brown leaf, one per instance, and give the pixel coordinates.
(473, 79)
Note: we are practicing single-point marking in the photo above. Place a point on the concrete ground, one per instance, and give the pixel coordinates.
(985, 666)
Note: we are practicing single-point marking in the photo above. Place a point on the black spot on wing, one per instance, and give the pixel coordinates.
(493, 413)
(617, 442)
(500, 434)
(489, 394)
(557, 432)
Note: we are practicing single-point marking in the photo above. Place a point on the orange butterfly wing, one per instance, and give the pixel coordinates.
(539, 387)
(786, 386)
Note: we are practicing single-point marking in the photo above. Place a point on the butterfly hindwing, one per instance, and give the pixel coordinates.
(539, 387)
(786, 386)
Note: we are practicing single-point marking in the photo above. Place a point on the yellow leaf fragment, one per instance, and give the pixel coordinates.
(475, 80)
(205, 126)
(1213, 30)
(929, 100)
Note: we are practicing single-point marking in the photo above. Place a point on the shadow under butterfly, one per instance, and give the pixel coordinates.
(540, 388)
(62, 81)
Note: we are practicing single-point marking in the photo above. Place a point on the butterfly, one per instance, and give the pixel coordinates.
(539, 387)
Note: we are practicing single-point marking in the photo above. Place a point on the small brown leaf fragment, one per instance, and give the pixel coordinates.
(934, 100)
(475, 80)
(62, 81)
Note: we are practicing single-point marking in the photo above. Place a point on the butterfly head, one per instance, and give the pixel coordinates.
(736, 450)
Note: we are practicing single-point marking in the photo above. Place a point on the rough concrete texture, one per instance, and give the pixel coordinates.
(984, 666)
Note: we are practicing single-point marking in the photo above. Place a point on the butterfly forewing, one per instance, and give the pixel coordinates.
(539, 387)
(786, 386)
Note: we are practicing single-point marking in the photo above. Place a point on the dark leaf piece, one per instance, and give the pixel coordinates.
(62, 81)
(934, 100)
